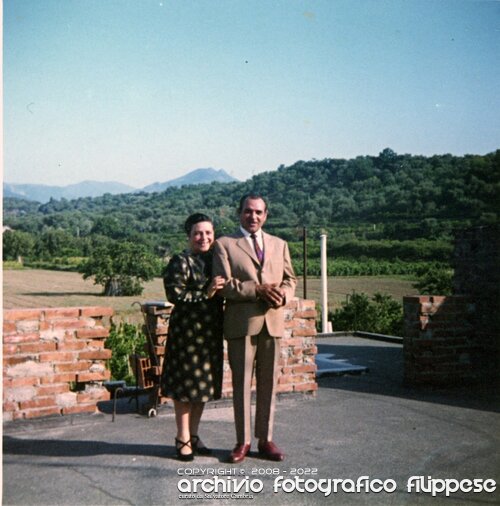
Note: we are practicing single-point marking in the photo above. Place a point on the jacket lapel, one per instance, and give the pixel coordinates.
(247, 248)
(268, 247)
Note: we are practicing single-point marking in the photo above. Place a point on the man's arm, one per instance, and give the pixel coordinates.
(234, 289)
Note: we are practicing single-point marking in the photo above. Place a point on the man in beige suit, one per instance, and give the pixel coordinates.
(259, 281)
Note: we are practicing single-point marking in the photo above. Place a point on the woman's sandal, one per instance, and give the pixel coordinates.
(184, 457)
(199, 450)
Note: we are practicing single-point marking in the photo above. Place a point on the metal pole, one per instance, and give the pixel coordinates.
(324, 285)
(304, 249)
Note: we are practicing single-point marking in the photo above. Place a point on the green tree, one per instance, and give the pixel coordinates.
(17, 244)
(121, 268)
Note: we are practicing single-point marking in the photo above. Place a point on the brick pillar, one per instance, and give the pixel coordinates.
(477, 275)
(439, 345)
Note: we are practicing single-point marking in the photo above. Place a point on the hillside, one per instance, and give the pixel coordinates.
(388, 208)
(44, 193)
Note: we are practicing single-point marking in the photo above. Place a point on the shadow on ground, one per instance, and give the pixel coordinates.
(61, 294)
(385, 377)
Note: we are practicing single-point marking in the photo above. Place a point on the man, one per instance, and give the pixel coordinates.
(259, 282)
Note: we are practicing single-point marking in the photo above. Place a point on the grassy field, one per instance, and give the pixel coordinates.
(41, 288)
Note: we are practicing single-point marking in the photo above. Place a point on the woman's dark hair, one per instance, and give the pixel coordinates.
(194, 219)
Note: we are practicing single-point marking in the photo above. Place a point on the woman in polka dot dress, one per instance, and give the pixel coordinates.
(192, 368)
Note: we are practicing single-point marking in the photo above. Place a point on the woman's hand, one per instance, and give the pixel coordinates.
(216, 284)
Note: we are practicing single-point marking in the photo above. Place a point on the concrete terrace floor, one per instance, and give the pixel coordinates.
(357, 425)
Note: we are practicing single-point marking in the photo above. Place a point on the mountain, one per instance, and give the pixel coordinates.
(43, 193)
(198, 176)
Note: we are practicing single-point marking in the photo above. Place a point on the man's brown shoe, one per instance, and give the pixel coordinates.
(270, 451)
(239, 453)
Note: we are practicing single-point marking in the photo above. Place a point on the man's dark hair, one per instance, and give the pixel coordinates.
(251, 196)
(194, 219)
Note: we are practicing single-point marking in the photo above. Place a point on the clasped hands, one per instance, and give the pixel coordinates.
(271, 293)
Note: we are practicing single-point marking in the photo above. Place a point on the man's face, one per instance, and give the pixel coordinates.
(253, 215)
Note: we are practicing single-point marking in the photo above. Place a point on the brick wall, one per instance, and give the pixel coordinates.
(439, 346)
(54, 361)
(456, 339)
(477, 275)
(298, 347)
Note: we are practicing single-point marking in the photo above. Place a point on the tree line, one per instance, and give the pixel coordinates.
(386, 208)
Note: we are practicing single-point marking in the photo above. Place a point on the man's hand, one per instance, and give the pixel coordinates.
(271, 293)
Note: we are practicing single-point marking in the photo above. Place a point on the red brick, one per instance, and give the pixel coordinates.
(57, 356)
(53, 389)
(292, 342)
(297, 369)
(10, 406)
(305, 387)
(39, 402)
(21, 314)
(283, 388)
(161, 330)
(93, 376)
(95, 355)
(73, 366)
(25, 381)
(439, 299)
(9, 328)
(9, 349)
(93, 395)
(70, 323)
(58, 378)
(94, 333)
(61, 312)
(73, 345)
(306, 304)
(286, 380)
(22, 338)
(311, 350)
(38, 347)
(309, 314)
(96, 311)
(17, 359)
(81, 408)
(304, 332)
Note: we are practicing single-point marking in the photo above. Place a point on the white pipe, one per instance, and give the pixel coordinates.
(324, 285)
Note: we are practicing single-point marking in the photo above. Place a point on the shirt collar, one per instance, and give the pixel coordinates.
(247, 234)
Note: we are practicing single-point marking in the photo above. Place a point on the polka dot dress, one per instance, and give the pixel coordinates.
(192, 368)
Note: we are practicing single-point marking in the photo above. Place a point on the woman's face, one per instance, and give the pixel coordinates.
(201, 237)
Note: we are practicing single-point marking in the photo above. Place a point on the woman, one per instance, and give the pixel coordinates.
(192, 368)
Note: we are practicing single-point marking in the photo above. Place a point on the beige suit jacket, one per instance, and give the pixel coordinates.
(236, 261)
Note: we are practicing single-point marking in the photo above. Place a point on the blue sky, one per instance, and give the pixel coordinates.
(144, 91)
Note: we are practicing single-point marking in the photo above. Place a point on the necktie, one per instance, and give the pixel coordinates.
(258, 251)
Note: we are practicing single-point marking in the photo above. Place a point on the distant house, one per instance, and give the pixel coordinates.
(7, 229)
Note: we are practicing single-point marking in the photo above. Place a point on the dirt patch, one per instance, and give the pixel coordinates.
(41, 288)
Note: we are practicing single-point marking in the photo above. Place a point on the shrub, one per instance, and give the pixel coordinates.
(124, 339)
(435, 282)
(381, 315)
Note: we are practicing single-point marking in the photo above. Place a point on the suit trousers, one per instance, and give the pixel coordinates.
(261, 351)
